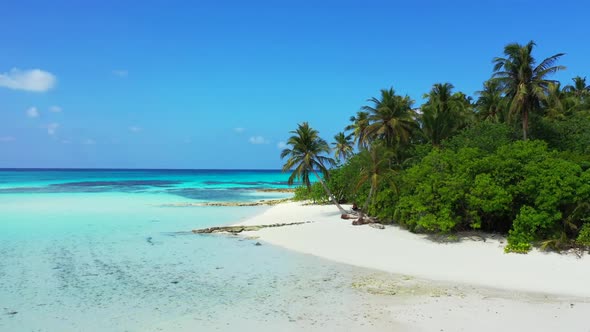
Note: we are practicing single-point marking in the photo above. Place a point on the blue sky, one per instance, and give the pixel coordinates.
(217, 84)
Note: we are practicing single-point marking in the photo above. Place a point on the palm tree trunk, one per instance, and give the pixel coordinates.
(332, 198)
(362, 213)
(525, 123)
(366, 206)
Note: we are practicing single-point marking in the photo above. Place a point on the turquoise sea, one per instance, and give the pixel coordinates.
(99, 250)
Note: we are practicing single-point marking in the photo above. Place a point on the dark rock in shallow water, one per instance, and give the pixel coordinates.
(174, 282)
(257, 203)
(12, 313)
(258, 244)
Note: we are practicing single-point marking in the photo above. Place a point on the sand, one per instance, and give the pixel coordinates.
(461, 286)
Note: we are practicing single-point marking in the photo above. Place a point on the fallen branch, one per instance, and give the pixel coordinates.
(363, 220)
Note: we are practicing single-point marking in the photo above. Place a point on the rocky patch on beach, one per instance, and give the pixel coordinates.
(239, 229)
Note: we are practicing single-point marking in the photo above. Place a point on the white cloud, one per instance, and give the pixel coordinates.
(89, 141)
(281, 145)
(134, 129)
(66, 141)
(121, 73)
(52, 128)
(239, 130)
(35, 80)
(7, 139)
(258, 140)
(55, 109)
(32, 112)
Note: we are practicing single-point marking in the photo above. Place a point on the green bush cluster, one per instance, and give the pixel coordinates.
(344, 182)
(570, 136)
(522, 188)
(584, 235)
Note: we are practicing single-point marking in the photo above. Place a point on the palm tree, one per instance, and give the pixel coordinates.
(444, 113)
(342, 146)
(558, 104)
(581, 92)
(306, 157)
(579, 88)
(390, 118)
(376, 165)
(524, 83)
(491, 105)
(358, 126)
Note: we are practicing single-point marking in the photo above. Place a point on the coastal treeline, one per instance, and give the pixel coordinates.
(514, 159)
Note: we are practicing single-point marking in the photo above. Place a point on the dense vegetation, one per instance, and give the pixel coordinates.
(515, 160)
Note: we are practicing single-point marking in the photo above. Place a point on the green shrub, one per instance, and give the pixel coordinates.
(343, 182)
(571, 134)
(316, 193)
(583, 238)
(434, 191)
(522, 189)
(485, 136)
(385, 200)
(524, 228)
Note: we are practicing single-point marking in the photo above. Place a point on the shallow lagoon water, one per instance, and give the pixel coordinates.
(111, 260)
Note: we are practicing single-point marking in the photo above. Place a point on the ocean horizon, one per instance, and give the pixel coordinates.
(132, 169)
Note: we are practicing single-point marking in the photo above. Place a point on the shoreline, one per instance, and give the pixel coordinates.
(395, 250)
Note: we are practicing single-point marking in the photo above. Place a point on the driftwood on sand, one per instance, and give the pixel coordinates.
(239, 229)
(364, 220)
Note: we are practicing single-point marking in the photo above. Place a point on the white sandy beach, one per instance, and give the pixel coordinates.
(491, 289)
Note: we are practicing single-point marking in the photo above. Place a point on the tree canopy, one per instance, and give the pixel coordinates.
(515, 160)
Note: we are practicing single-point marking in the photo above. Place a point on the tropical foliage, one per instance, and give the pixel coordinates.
(516, 160)
(444, 113)
(389, 119)
(524, 83)
(342, 146)
(491, 105)
(307, 155)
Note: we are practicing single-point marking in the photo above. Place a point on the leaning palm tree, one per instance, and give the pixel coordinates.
(390, 118)
(342, 146)
(306, 156)
(491, 105)
(524, 83)
(444, 113)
